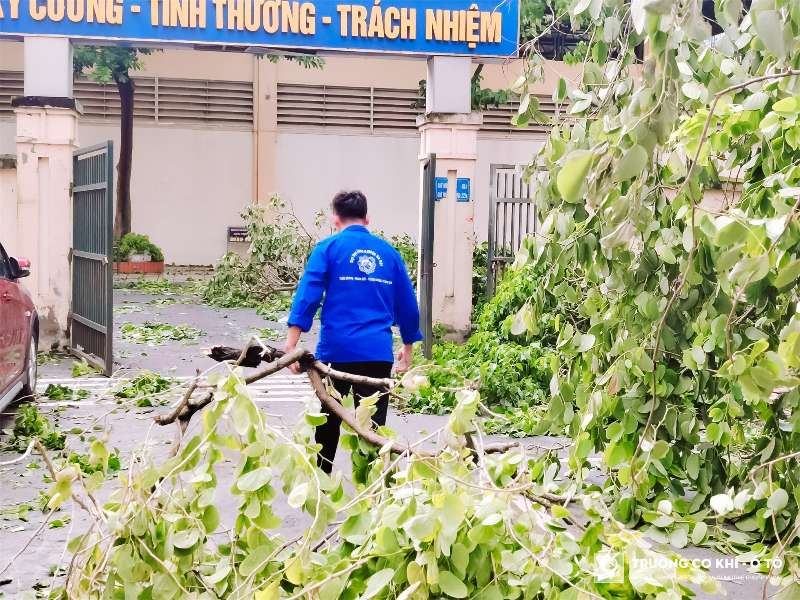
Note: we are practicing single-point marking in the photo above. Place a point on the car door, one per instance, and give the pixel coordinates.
(13, 325)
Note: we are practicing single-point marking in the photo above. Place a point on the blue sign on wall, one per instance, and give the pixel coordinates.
(427, 27)
(463, 189)
(441, 188)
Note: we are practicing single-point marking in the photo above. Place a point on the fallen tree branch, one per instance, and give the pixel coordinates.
(347, 417)
(252, 356)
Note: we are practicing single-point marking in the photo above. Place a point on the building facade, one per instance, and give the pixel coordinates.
(216, 131)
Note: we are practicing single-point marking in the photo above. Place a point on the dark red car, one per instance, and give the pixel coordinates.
(19, 331)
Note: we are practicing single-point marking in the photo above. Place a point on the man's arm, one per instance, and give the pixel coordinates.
(406, 316)
(307, 299)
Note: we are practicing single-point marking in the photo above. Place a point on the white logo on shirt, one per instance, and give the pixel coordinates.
(366, 264)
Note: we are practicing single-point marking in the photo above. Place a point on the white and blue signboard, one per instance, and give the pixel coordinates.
(488, 28)
(463, 189)
(440, 184)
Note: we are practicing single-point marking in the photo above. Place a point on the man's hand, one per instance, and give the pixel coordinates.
(292, 337)
(403, 363)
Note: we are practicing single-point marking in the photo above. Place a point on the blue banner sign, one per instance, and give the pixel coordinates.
(428, 27)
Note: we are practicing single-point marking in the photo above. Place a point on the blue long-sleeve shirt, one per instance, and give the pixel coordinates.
(366, 290)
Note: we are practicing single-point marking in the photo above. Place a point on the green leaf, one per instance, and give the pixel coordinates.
(254, 480)
(452, 585)
(298, 495)
(377, 582)
(729, 231)
(210, 519)
(679, 538)
(185, 539)
(586, 342)
(778, 500)
(571, 177)
(355, 528)
(631, 164)
(256, 560)
(769, 27)
(699, 532)
(787, 274)
(789, 105)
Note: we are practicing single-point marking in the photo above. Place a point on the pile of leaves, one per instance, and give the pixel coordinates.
(81, 368)
(162, 287)
(30, 423)
(58, 392)
(265, 278)
(511, 377)
(91, 463)
(144, 389)
(157, 334)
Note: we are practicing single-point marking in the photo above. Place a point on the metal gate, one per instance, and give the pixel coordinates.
(91, 324)
(512, 217)
(425, 282)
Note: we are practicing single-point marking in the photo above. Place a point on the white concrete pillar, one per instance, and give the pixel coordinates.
(8, 201)
(47, 136)
(450, 131)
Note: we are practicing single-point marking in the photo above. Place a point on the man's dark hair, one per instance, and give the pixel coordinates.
(350, 205)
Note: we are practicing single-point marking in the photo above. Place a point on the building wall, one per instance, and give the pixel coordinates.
(312, 167)
(190, 182)
(187, 186)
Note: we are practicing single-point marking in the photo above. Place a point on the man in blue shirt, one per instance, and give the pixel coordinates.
(366, 290)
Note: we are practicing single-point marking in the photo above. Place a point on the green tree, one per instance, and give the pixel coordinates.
(106, 64)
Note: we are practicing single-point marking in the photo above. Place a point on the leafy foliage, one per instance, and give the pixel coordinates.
(57, 391)
(136, 243)
(510, 376)
(105, 64)
(30, 423)
(414, 528)
(89, 464)
(162, 287)
(157, 334)
(279, 247)
(671, 321)
(144, 388)
(81, 368)
(539, 17)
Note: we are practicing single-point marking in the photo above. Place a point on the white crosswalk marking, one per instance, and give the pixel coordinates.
(274, 389)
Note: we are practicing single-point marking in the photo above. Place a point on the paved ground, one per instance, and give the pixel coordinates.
(280, 396)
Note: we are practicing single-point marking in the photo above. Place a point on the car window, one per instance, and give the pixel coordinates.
(5, 271)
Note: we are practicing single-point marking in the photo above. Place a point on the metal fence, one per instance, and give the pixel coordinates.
(512, 217)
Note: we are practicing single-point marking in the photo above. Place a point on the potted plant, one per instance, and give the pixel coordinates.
(135, 253)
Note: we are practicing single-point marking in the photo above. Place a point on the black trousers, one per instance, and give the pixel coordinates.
(328, 433)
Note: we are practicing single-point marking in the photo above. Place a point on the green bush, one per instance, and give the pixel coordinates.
(136, 243)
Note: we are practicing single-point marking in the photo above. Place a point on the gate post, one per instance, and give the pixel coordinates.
(47, 132)
(450, 131)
